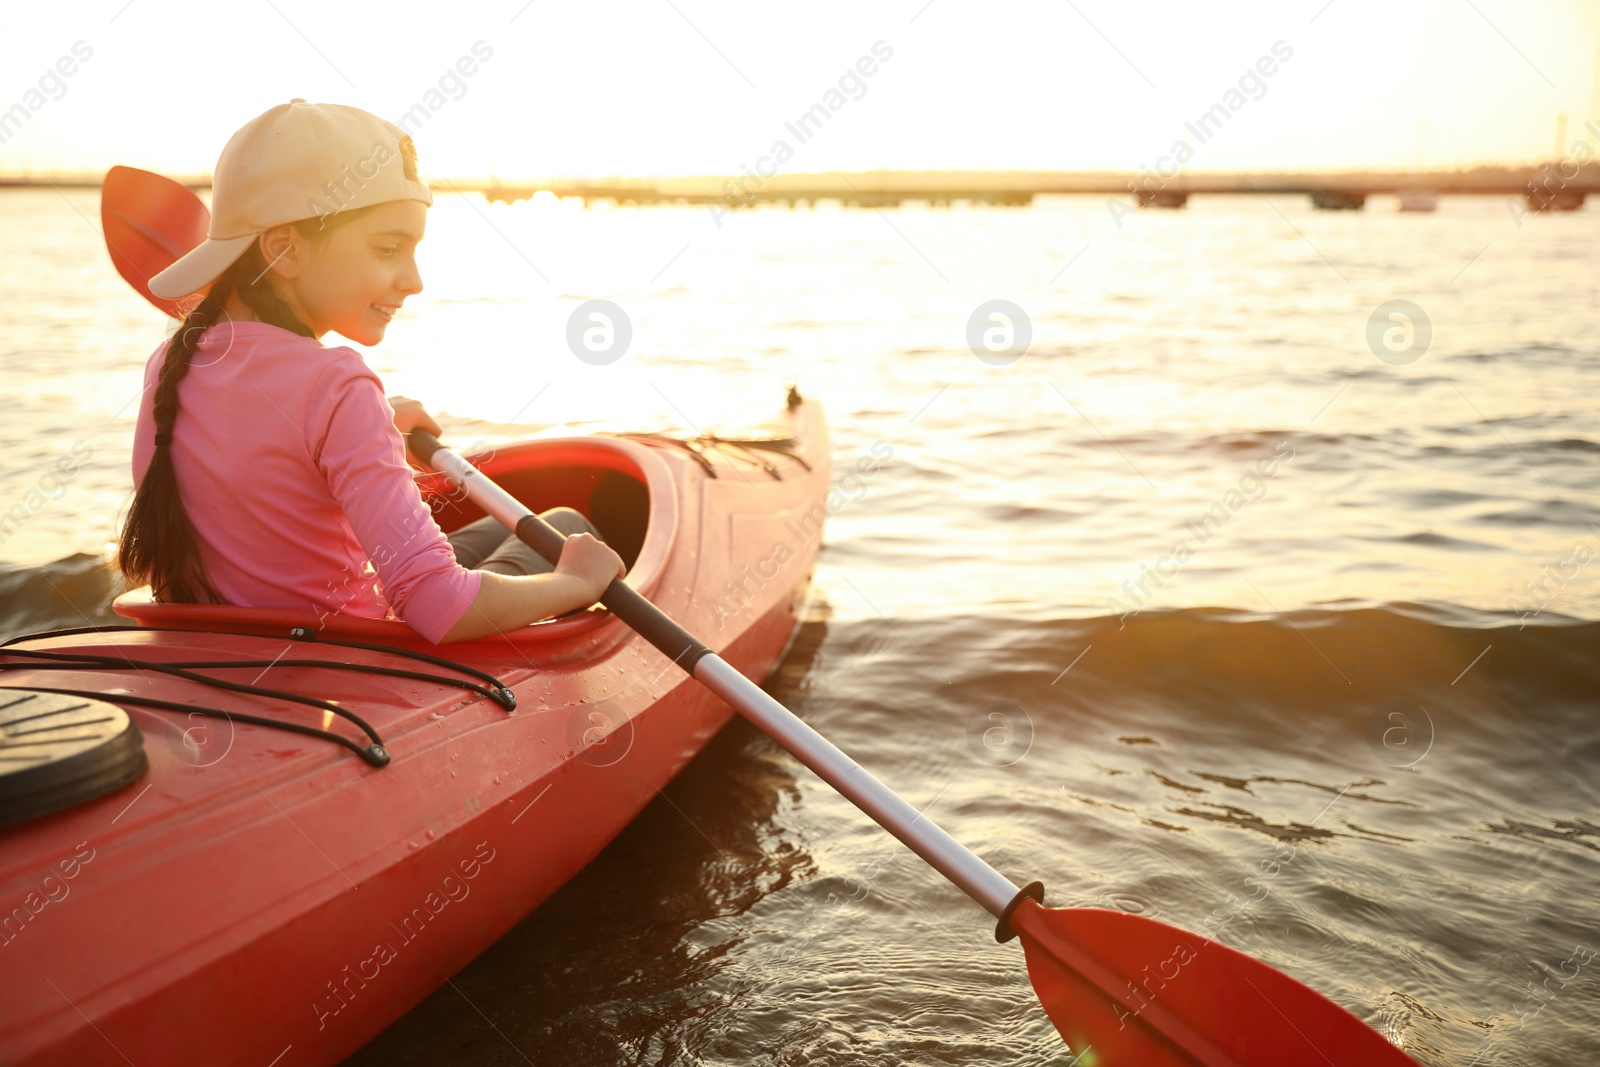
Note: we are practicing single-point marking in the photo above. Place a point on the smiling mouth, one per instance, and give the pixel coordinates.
(385, 310)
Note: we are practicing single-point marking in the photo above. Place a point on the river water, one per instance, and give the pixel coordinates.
(1228, 565)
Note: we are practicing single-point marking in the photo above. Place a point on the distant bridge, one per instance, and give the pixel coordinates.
(1555, 186)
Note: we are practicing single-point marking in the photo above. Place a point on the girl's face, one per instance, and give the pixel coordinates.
(354, 280)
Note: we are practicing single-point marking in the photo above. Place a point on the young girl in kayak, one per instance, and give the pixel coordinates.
(271, 470)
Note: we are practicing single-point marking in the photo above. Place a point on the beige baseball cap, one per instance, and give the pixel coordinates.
(297, 161)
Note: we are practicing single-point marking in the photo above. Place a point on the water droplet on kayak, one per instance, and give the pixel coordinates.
(430, 837)
(411, 845)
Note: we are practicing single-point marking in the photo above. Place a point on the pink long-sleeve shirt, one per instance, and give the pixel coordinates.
(295, 479)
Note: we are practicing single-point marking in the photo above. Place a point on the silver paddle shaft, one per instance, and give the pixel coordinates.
(887, 808)
(971, 874)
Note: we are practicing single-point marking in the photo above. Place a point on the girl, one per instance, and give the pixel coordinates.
(285, 483)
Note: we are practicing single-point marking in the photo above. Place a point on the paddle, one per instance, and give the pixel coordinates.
(149, 222)
(1121, 989)
(1135, 990)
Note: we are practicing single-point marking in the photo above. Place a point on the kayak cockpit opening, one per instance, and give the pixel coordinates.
(616, 502)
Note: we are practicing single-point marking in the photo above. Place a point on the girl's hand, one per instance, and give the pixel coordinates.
(592, 561)
(409, 415)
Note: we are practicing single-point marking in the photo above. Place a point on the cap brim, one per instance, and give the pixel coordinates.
(202, 266)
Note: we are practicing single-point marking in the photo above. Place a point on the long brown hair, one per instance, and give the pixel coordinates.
(158, 544)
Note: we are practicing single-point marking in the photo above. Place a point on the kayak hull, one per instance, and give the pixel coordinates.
(260, 894)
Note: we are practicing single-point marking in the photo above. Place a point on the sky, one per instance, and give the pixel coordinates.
(659, 87)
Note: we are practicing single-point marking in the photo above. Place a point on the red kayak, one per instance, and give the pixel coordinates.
(311, 822)
(328, 847)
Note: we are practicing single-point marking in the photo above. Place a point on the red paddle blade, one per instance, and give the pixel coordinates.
(149, 222)
(1127, 991)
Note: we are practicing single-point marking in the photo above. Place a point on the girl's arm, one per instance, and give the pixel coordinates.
(506, 601)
